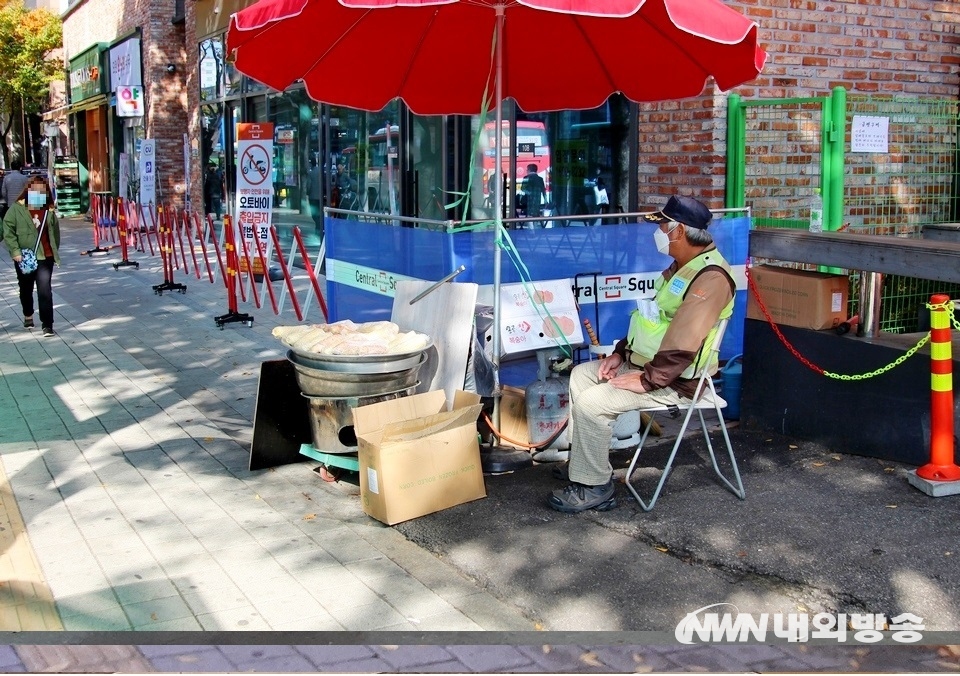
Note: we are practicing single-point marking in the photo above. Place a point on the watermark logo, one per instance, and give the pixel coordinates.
(724, 623)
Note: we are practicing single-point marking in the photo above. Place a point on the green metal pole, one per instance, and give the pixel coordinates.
(826, 154)
(733, 103)
(833, 218)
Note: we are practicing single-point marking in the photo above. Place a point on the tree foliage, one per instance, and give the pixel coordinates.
(27, 38)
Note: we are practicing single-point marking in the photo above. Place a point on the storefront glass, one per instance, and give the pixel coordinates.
(362, 159)
(572, 153)
(294, 118)
(211, 69)
(393, 162)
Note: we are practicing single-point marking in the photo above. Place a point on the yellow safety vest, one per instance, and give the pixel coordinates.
(645, 335)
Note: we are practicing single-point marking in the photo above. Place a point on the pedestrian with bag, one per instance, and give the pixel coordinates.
(31, 233)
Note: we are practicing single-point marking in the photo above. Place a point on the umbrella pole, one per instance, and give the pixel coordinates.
(495, 458)
(497, 214)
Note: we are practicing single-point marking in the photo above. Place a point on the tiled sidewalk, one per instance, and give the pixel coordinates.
(476, 659)
(126, 444)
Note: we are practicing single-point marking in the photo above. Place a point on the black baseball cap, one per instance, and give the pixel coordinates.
(686, 210)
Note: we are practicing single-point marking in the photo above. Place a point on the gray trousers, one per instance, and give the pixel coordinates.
(594, 409)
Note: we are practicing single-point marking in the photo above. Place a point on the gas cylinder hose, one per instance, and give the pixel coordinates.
(521, 444)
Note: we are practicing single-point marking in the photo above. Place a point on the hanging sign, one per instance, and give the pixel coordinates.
(129, 101)
(255, 187)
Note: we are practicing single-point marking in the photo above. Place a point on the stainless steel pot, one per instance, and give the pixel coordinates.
(368, 363)
(316, 382)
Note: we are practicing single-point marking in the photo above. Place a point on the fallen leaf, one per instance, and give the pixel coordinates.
(546, 649)
(768, 439)
(153, 616)
(661, 549)
(891, 506)
(309, 517)
(741, 553)
(591, 660)
(819, 464)
(888, 469)
(836, 457)
(793, 446)
(257, 496)
(538, 626)
(208, 438)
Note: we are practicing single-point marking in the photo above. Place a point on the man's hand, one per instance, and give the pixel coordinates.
(631, 380)
(609, 366)
(17, 259)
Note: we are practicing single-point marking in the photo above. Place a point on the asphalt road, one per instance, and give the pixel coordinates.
(819, 531)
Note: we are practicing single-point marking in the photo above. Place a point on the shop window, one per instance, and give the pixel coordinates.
(211, 65)
(571, 152)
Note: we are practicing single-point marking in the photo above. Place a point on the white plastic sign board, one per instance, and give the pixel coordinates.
(548, 319)
(254, 182)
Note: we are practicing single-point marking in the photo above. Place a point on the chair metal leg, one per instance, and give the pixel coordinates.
(666, 468)
(738, 489)
(735, 489)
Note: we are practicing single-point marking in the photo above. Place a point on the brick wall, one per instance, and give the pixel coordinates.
(888, 47)
(165, 94)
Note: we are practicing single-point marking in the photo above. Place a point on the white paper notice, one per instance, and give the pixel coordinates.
(870, 134)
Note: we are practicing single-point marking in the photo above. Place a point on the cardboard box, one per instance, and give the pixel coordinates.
(513, 414)
(802, 298)
(416, 457)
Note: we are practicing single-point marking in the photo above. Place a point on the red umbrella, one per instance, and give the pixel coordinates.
(446, 57)
(437, 55)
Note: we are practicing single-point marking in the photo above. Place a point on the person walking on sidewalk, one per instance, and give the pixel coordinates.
(31, 224)
(656, 363)
(13, 183)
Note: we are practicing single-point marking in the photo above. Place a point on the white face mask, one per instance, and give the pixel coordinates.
(36, 199)
(662, 239)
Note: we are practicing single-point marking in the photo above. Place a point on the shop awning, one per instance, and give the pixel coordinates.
(54, 113)
(87, 104)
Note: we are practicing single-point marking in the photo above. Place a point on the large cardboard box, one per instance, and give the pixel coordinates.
(416, 457)
(802, 298)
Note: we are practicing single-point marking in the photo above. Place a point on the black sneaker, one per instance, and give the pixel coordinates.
(28, 322)
(48, 332)
(579, 498)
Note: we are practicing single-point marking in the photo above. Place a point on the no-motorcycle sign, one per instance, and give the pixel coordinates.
(255, 185)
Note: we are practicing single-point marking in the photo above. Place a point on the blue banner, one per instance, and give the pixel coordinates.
(611, 266)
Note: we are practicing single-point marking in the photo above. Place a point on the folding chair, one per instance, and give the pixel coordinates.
(699, 403)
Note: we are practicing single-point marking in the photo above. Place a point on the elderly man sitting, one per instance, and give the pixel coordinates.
(668, 338)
